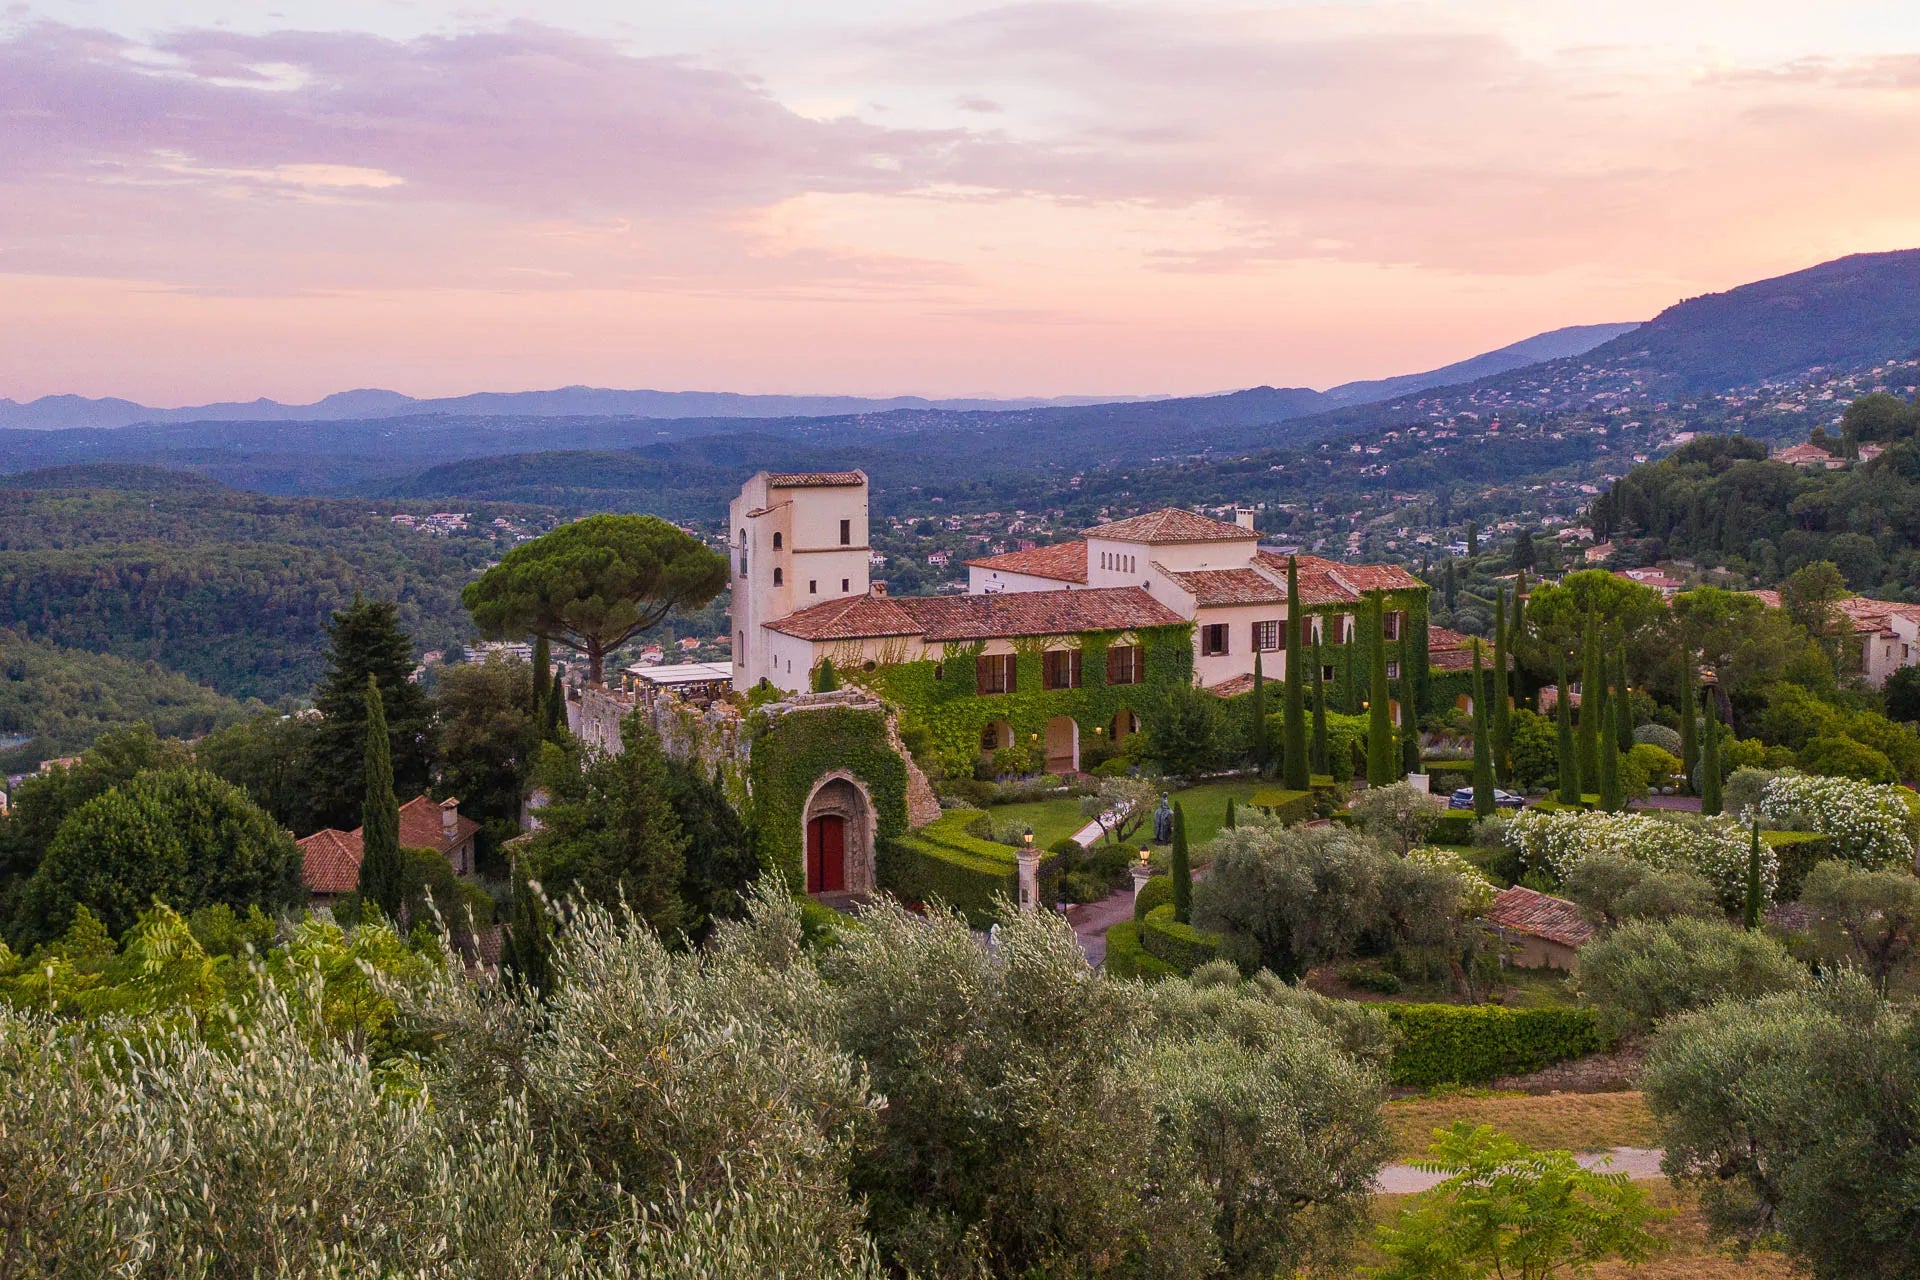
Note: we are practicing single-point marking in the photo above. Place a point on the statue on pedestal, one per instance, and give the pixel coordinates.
(1163, 821)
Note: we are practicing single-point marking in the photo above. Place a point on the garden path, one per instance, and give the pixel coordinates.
(1638, 1163)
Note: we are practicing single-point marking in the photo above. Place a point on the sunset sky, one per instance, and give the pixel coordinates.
(210, 199)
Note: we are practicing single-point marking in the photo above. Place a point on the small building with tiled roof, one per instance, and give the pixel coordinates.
(330, 859)
(1887, 631)
(1545, 932)
(1064, 564)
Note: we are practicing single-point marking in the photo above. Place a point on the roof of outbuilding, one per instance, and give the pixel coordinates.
(1230, 586)
(814, 479)
(1003, 615)
(1171, 524)
(1540, 915)
(330, 861)
(1063, 562)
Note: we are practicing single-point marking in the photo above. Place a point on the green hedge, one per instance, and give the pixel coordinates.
(1157, 891)
(1126, 958)
(942, 862)
(1449, 775)
(1552, 804)
(1181, 946)
(1797, 851)
(1471, 1044)
(1455, 826)
(1288, 806)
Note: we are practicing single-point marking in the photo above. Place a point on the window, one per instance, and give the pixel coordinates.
(843, 585)
(777, 576)
(743, 564)
(1060, 669)
(1326, 673)
(1393, 671)
(994, 673)
(1392, 624)
(1266, 636)
(813, 586)
(776, 542)
(846, 533)
(1126, 664)
(1213, 640)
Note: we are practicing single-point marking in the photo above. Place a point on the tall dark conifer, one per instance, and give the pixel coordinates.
(1322, 763)
(367, 642)
(381, 880)
(1383, 756)
(1262, 743)
(1563, 722)
(1483, 805)
(1293, 760)
(556, 709)
(542, 672)
(1689, 715)
(1622, 704)
(1501, 722)
(1409, 717)
(1523, 687)
(1612, 793)
(1593, 698)
(1181, 868)
(1710, 803)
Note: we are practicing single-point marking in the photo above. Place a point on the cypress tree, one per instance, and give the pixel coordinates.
(1229, 823)
(1409, 719)
(1382, 755)
(542, 664)
(1710, 763)
(1563, 722)
(1593, 683)
(1502, 724)
(1448, 589)
(825, 678)
(1483, 805)
(1182, 871)
(556, 709)
(1689, 724)
(1623, 707)
(1262, 746)
(1321, 763)
(1517, 641)
(1294, 760)
(367, 641)
(526, 950)
(1612, 793)
(1750, 908)
(380, 873)
(1350, 686)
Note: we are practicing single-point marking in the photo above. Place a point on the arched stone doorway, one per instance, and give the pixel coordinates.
(1464, 703)
(1063, 745)
(995, 735)
(838, 835)
(1125, 724)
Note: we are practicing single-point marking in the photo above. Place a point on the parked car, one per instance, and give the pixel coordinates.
(1463, 799)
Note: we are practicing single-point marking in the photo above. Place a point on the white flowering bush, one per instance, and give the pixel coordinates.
(1868, 825)
(1476, 891)
(1715, 848)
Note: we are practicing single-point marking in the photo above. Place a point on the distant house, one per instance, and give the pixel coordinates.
(1809, 455)
(1887, 631)
(1600, 553)
(1546, 932)
(330, 859)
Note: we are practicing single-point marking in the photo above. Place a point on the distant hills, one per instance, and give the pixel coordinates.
(1555, 344)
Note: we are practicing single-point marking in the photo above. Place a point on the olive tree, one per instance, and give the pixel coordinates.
(1870, 917)
(1288, 899)
(1646, 970)
(594, 584)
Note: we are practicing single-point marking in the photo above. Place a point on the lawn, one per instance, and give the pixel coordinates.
(1557, 1121)
(1204, 805)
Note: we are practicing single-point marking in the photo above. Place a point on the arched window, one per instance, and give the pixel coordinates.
(776, 577)
(776, 542)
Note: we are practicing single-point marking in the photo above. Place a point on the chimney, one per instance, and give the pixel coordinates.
(449, 817)
(1243, 516)
(879, 590)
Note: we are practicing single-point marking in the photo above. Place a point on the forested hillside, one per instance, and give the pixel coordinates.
(1720, 500)
(56, 701)
(231, 589)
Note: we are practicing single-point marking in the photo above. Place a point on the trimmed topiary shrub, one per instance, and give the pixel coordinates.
(1453, 827)
(1288, 806)
(1668, 740)
(1182, 946)
(1157, 891)
(1797, 852)
(1471, 1044)
(1126, 958)
(944, 862)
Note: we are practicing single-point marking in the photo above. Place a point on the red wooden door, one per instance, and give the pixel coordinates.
(827, 855)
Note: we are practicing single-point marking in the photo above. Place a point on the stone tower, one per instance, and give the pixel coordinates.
(796, 540)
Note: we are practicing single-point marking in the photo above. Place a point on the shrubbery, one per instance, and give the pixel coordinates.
(1182, 946)
(1714, 848)
(1471, 1044)
(1645, 970)
(1869, 826)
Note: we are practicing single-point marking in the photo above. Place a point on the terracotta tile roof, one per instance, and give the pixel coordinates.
(1233, 688)
(814, 479)
(1375, 577)
(330, 861)
(848, 619)
(1063, 562)
(979, 617)
(1540, 915)
(1868, 615)
(1171, 525)
(421, 826)
(1036, 613)
(1231, 586)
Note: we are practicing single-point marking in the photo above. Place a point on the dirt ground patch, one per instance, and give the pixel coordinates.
(1561, 1121)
